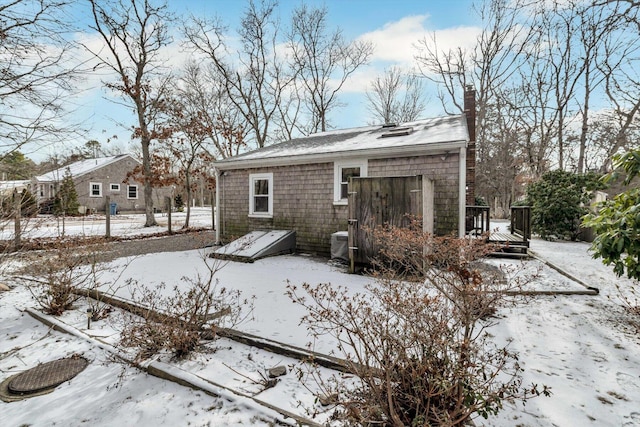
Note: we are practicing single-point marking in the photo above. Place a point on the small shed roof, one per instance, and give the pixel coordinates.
(80, 168)
(413, 138)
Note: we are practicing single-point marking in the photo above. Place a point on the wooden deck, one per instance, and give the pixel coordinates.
(507, 238)
(510, 244)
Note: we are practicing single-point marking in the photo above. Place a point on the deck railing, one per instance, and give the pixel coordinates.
(477, 220)
(521, 221)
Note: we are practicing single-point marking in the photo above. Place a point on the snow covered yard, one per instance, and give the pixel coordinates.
(582, 346)
(44, 226)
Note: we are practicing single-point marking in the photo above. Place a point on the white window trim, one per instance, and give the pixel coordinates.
(337, 176)
(91, 184)
(252, 178)
(129, 194)
(114, 187)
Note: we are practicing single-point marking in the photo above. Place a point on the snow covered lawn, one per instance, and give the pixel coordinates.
(582, 346)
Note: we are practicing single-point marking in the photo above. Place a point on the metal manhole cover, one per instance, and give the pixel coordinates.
(47, 375)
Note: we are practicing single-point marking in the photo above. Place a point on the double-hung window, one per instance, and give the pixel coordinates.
(342, 172)
(95, 189)
(132, 192)
(261, 195)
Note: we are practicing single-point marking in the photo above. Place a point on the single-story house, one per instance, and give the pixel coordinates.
(97, 178)
(308, 184)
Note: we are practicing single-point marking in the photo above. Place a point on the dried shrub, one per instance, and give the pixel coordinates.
(53, 277)
(176, 320)
(629, 297)
(419, 347)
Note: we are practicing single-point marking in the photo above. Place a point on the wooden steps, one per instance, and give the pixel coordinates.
(510, 245)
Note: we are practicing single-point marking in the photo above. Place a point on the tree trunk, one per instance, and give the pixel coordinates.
(148, 185)
(585, 121)
(561, 142)
(187, 182)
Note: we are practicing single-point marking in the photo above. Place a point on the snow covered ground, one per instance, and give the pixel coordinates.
(582, 346)
(95, 225)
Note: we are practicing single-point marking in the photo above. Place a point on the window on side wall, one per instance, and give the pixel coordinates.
(115, 187)
(95, 189)
(342, 172)
(261, 195)
(132, 192)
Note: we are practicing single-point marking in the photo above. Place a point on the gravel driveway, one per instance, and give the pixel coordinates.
(173, 243)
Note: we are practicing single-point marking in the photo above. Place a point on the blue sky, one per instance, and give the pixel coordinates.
(353, 16)
(392, 26)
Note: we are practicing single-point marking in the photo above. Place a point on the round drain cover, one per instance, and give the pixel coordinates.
(47, 375)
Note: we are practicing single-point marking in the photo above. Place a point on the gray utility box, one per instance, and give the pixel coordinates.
(340, 245)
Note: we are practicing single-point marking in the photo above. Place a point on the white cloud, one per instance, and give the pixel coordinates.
(395, 45)
(395, 41)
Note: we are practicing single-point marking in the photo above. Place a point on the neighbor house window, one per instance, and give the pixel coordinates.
(132, 192)
(342, 172)
(115, 187)
(261, 195)
(95, 189)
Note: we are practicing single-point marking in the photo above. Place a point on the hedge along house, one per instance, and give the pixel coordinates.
(304, 184)
(97, 178)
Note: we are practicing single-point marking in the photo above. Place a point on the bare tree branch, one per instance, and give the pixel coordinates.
(37, 72)
(325, 62)
(134, 32)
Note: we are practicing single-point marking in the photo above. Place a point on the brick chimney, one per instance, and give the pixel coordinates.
(470, 113)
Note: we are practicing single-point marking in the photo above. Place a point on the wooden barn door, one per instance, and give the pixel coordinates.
(375, 201)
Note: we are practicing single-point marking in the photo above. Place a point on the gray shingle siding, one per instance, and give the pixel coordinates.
(303, 198)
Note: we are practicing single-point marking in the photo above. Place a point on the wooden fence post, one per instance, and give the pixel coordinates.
(108, 216)
(17, 204)
(167, 204)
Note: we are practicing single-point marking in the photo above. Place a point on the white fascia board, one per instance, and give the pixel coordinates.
(380, 153)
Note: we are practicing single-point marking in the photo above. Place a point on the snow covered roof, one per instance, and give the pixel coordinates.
(419, 137)
(80, 168)
(7, 187)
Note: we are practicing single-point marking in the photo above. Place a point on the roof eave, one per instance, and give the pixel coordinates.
(60, 171)
(374, 153)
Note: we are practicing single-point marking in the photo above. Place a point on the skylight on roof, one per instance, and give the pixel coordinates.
(407, 130)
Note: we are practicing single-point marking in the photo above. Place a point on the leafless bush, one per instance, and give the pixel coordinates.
(629, 297)
(176, 320)
(419, 347)
(53, 276)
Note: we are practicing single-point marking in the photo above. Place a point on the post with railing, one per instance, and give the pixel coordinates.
(521, 221)
(477, 220)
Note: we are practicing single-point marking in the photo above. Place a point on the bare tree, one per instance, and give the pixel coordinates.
(396, 97)
(594, 32)
(200, 92)
(491, 68)
(578, 47)
(258, 81)
(622, 85)
(325, 61)
(134, 32)
(36, 72)
(192, 127)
